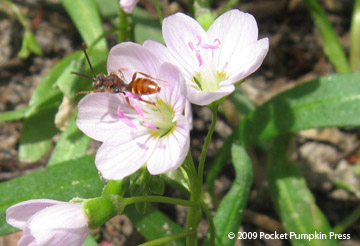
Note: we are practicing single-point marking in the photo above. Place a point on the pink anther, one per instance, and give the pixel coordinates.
(130, 95)
(191, 45)
(125, 119)
(216, 45)
(150, 125)
(138, 110)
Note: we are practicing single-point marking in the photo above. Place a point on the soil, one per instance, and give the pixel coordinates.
(295, 56)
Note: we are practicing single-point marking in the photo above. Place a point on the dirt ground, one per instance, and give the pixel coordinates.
(295, 56)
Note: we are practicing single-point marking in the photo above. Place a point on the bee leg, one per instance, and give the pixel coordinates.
(88, 92)
(122, 76)
(128, 102)
(147, 76)
(148, 102)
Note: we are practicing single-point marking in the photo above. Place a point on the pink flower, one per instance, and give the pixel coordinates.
(139, 133)
(128, 5)
(212, 61)
(48, 222)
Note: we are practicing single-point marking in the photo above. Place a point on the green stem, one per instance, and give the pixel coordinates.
(126, 27)
(348, 221)
(166, 239)
(194, 213)
(190, 5)
(211, 222)
(331, 44)
(206, 145)
(162, 199)
(355, 38)
(22, 19)
(159, 11)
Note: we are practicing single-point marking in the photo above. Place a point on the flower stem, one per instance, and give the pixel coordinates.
(206, 145)
(194, 213)
(166, 239)
(159, 11)
(211, 222)
(162, 199)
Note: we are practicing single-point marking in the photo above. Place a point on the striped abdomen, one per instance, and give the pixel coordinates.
(143, 86)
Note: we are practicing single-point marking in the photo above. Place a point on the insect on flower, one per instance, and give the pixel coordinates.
(113, 83)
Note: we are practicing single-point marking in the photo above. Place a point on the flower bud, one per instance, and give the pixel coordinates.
(101, 209)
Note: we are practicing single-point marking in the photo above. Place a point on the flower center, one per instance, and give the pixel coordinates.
(158, 118)
(207, 78)
(162, 119)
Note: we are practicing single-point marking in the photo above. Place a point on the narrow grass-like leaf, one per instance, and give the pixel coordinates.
(17, 114)
(37, 133)
(293, 200)
(154, 224)
(229, 213)
(72, 144)
(86, 18)
(76, 178)
(330, 101)
(332, 47)
(47, 90)
(355, 38)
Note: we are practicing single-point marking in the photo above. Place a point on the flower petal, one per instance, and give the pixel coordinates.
(18, 214)
(63, 224)
(98, 115)
(174, 89)
(162, 53)
(128, 5)
(171, 150)
(123, 154)
(27, 239)
(178, 30)
(247, 60)
(130, 58)
(198, 97)
(234, 29)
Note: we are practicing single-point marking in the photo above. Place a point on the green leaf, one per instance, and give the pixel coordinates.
(71, 84)
(146, 27)
(229, 213)
(293, 200)
(37, 134)
(157, 185)
(90, 241)
(72, 144)
(332, 47)
(154, 224)
(29, 45)
(14, 114)
(47, 90)
(86, 18)
(76, 178)
(330, 101)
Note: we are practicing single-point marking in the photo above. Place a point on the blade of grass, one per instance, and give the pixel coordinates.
(332, 47)
(355, 38)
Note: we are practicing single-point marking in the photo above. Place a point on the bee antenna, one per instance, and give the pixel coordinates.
(82, 75)
(87, 58)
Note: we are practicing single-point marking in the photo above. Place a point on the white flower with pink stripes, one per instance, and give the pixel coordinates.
(154, 131)
(212, 61)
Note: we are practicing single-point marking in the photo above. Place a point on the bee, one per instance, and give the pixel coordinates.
(113, 83)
